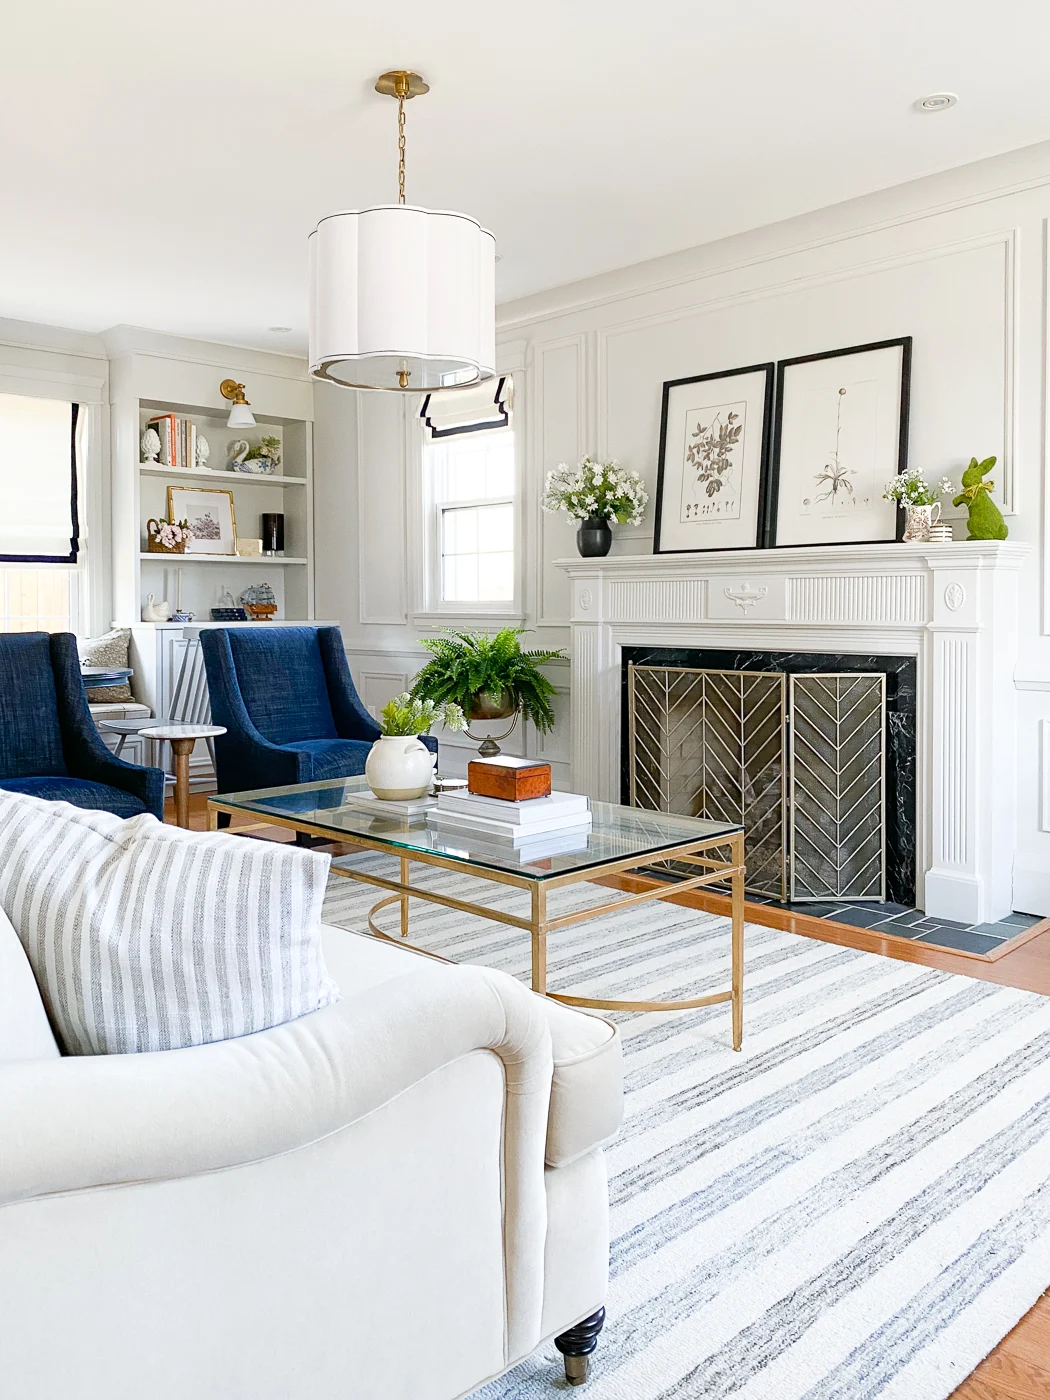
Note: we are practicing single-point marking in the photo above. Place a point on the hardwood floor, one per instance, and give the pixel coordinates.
(1019, 1367)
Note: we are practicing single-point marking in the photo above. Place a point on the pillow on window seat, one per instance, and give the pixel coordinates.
(111, 649)
(147, 937)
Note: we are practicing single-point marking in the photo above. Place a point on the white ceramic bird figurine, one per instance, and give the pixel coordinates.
(236, 453)
(155, 612)
(203, 451)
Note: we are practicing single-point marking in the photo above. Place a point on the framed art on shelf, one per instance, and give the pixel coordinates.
(840, 434)
(210, 516)
(714, 460)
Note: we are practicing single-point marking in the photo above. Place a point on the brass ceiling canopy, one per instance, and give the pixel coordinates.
(400, 82)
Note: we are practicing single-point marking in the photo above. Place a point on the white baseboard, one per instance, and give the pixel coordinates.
(962, 897)
(1032, 890)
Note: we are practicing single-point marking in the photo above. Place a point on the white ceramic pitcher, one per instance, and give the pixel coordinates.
(399, 767)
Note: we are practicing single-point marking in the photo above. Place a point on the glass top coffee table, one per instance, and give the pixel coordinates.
(621, 839)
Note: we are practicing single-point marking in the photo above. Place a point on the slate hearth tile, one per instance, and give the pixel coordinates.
(913, 918)
(889, 910)
(1023, 920)
(1000, 931)
(962, 939)
(860, 918)
(819, 911)
(897, 928)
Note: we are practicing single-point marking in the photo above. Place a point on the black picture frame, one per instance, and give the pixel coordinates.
(772, 494)
(769, 370)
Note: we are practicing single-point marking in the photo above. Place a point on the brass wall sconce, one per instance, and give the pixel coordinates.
(241, 415)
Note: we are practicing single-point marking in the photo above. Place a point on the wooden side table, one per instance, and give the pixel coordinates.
(182, 738)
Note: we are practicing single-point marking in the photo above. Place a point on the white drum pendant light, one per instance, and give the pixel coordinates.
(402, 298)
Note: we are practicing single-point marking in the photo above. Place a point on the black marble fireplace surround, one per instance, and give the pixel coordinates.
(901, 708)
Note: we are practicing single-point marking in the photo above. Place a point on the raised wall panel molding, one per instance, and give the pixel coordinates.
(377, 687)
(655, 600)
(547, 453)
(794, 283)
(884, 598)
(1045, 619)
(632, 291)
(366, 616)
(1044, 775)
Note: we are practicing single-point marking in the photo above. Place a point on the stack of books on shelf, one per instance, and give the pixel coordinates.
(532, 829)
(178, 440)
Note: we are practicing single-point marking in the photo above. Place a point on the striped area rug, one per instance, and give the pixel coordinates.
(856, 1205)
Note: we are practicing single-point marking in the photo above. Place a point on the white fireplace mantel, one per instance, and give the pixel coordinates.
(952, 606)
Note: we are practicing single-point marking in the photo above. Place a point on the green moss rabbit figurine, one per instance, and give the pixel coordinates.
(986, 519)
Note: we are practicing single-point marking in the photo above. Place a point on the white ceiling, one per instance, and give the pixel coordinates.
(161, 164)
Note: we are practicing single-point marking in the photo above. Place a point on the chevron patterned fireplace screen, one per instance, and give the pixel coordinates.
(799, 760)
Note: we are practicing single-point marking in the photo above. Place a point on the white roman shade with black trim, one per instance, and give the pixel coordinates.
(448, 412)
(38, 481)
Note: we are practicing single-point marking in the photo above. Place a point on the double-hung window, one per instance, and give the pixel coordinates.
(39, 518)
(471, 505)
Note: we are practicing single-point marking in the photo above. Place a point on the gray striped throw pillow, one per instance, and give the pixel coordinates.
(147, 937)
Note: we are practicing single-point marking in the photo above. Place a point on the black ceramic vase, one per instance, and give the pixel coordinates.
(594, 537)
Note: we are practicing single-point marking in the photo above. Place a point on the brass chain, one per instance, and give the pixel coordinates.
(401, 148)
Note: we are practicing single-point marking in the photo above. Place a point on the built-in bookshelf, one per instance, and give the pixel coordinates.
(147, 386)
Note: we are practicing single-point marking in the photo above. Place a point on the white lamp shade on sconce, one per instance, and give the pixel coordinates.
(241, 416)
(402, 298)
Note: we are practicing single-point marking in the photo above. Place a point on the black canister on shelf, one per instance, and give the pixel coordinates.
(272, 531)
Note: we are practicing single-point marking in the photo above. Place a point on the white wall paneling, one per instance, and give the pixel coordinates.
(381, 509)
(958, 261)
(561, 432)
(376, 688)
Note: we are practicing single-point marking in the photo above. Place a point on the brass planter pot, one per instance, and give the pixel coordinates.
(486, 706)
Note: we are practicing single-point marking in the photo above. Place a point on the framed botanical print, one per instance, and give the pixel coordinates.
(210, 517)
(714, 457)
(840, 434)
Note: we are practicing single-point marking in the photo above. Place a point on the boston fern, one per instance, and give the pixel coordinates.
(467, 663)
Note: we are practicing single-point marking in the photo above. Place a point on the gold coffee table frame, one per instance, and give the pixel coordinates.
(538, 925)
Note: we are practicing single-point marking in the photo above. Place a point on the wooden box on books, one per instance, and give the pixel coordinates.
(511, 779)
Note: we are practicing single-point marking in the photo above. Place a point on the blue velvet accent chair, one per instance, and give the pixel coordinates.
(287, 700)
(49, 746)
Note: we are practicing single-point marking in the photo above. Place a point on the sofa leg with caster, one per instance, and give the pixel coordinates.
(577, 1344)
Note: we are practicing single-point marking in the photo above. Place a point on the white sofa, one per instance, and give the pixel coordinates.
(399, 1196)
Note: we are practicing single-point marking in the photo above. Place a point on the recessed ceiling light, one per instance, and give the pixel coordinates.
(936, 102)
(278, 330)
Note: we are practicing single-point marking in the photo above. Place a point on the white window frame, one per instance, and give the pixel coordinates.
(48, 374)
(434, 608)
(76, 588)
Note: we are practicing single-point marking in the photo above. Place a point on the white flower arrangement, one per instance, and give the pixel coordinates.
(910, 488)
(406, 714)
(603, 489)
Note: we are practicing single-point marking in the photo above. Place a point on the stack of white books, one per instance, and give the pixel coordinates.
(386, 807)
(560, 820)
